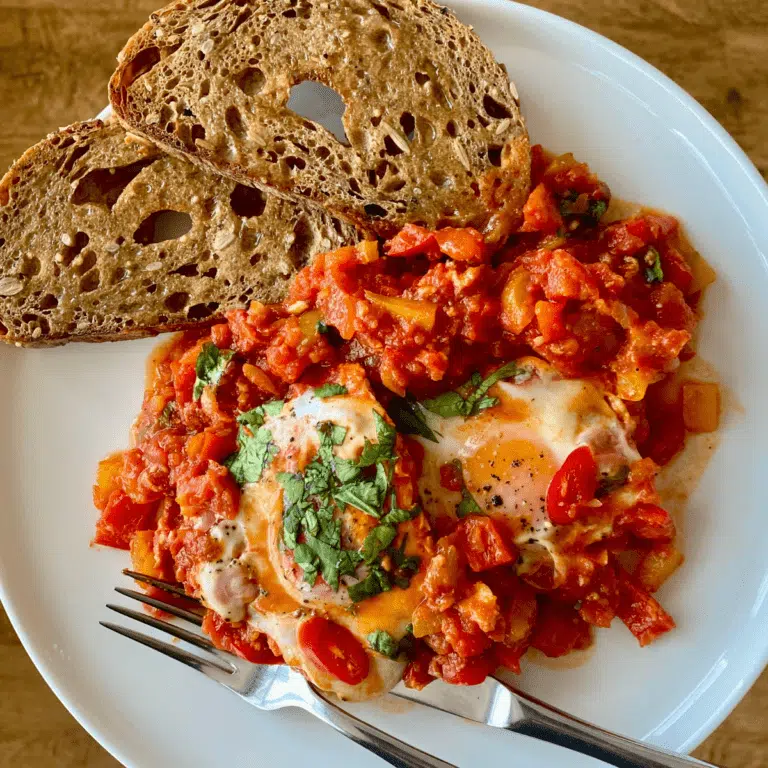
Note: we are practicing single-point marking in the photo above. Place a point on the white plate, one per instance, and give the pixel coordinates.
(65, 409)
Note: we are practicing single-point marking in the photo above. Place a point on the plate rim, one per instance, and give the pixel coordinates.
(708, 122)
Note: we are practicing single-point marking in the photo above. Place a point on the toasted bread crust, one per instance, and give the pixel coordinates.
(434, 128)
(82, 254)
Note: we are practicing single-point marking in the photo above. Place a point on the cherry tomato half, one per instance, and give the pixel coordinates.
(574, 483)
(334, 649)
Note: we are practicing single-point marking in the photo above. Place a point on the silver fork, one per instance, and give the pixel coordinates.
(265, 686)
(493, 703)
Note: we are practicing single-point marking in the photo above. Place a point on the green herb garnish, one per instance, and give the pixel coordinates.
(409, 418)
(476, 400)
(255, 446)
(209, 368)
(382, 642)
(310, 501)
(597, 209)
(467, 505)
(653, 272)
(330, 390)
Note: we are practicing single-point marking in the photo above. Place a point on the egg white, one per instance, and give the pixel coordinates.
(510, 452)
(254, 578)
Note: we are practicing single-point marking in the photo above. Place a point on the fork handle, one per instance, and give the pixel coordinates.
(387, 747)
(547, 723)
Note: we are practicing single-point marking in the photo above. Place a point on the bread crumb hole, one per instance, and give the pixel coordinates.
(450, 127)
(103, 186)
(250, 81)
(84, 263)
(408, 124)
(494, 109)
(187, 270)
(320, 104)
(494, 156)
(390, 147)
(161, 226)
(72, 252)
(421, 78)
(202, 311)
(375, 211)
(303, 242)
(90, 282)
(177, 301)
(247, 202)
(49, 301)
(143, 62)
(382, 40)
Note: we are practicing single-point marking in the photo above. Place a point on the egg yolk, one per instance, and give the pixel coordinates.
(510, 478)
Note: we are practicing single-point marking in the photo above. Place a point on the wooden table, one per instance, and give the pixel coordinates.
(55, 58)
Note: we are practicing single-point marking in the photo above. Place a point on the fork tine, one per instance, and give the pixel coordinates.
(206, 666)
(179, 613)
(159, 583)
(188, 637)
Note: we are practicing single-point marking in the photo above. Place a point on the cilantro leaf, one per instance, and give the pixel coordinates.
(331, 434)
(386, 435)
(382, 642)
(256, 416)
(507, 371)
(326, 555)
(293, 487)
(348, 562)
(322, 328)
(381, 450)
(330, 390)
(347, 470)
(654, 272)
(399, 516)
(597, 209)
(373, 584)
(451, 404)
(377, 541)
(467, 505)
(447, 405)
(306, 558)
(209, 368)
(409, 418)
(362, 495)
(254, 455)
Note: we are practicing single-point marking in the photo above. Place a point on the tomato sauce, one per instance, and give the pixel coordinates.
(420, 313)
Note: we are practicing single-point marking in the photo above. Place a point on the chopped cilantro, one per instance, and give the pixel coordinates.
(373, 584)
(330, 390)
(455, 404)
(363, 495)
(382, 642)
(209, 368)
(653, 272)
(467, 505)
(597, 209)
(409, 418)
(567, 201)
(322, 328)
(377, 541)
(255, 453)
(256, 416)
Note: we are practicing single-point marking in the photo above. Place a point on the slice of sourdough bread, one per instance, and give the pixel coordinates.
(433, 126)
(104, 237)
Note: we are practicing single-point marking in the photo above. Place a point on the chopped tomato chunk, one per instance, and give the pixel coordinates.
(121, 518)
(458, 670)
(559, 630)
(239, 639)
(647, 521)
(412, 240)
(641, 612)
(462, 244)
(483, 543)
